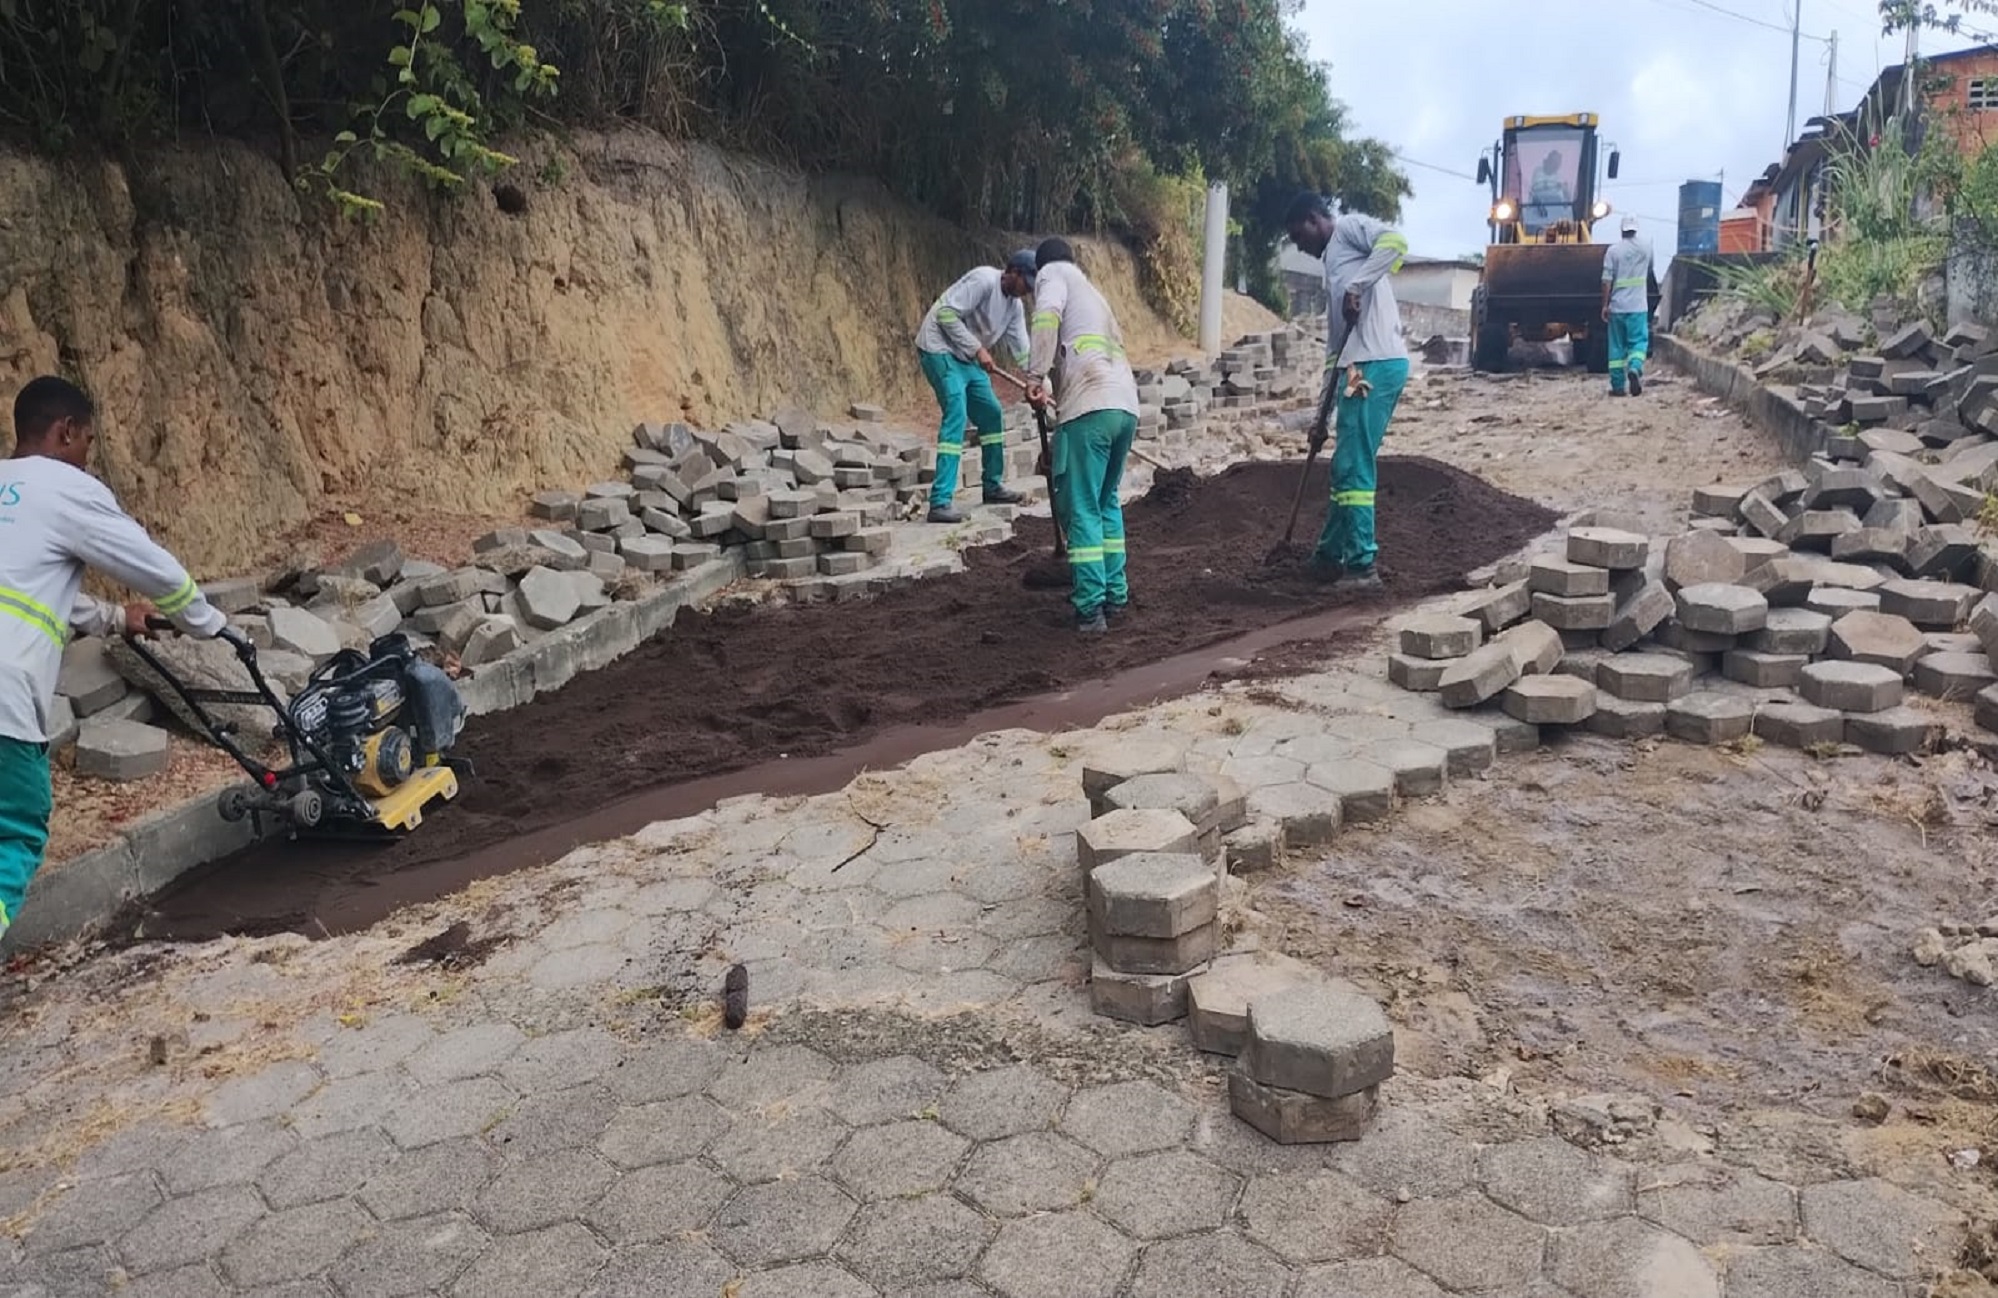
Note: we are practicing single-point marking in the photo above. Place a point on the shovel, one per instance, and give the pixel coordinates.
(1047, 463)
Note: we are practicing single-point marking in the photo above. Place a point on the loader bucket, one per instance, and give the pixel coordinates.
(1534, 285)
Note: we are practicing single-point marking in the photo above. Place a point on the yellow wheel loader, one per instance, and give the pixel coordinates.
(1543, 270)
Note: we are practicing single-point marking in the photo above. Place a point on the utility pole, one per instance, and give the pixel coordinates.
(1214, 269)
(1796, 39)
(1831, 78)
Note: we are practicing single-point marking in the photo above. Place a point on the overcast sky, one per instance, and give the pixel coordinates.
(1685, 90)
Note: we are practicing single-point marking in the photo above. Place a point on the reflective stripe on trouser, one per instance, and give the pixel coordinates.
(1359, 427)
(1629, 344)
(26, 803)
(964, 394)
(1089, 457)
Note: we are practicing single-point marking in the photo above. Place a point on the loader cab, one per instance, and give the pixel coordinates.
(1544, 177)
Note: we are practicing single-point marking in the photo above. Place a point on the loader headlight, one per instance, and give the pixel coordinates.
(1502, 210)
(1600, 210)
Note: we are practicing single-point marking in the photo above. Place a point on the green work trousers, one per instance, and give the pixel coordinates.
(26, 803)
(964, 392)
(1359, 427)
(1629, 343)
(1089, 454)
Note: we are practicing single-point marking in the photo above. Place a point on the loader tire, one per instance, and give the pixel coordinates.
(1491, 341)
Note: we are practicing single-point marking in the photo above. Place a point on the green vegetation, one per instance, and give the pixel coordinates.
(1027, 114)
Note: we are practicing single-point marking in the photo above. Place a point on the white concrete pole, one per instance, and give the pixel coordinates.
(1213, 269)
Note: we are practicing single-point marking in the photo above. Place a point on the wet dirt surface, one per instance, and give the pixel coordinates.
(728, 691)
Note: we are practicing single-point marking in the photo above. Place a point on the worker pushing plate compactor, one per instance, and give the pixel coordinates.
(368, 739)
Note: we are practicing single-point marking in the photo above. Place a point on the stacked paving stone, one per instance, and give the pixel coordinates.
(1311, 1051)
(1259, 369)
(1758, 621)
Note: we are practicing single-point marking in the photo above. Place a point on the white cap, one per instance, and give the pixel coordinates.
(1630, 225)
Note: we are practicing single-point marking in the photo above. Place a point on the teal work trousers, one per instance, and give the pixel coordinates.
(26, 803)
(1360, 425)
(964, 393)
(1089, 454)
(1629, 344)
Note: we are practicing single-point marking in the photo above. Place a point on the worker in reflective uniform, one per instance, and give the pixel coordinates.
(1096, 400)
(978, 313)
(1627, 309)
(56, 520)
(1366, 368)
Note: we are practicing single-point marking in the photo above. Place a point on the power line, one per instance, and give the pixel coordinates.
(1744, 18)
(1430, 166)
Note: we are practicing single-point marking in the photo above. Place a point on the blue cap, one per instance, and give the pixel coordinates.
(1025, 262)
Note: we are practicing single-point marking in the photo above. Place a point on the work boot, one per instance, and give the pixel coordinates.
(1116, 612)
(1618, 392)
(1003, 496)
(944, 514)
(1636, 385)
(1091, 624)
(1327, 574)
(1367, 578)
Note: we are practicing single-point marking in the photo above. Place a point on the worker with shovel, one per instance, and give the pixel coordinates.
(1097, 415)
(56, 520)
(978, 313)
(1366, 368)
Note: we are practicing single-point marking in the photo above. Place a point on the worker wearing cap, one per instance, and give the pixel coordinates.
(56, 520)
(1627, 309)
(978, 313)
(1077, 342)
(1364, 352)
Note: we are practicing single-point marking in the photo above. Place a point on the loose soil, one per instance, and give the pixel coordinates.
(731, 689)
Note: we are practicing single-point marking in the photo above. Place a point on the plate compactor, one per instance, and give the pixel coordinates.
(368, 738)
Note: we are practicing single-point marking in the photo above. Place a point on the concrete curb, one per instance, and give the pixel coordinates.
(74, 899)
(1800, 435)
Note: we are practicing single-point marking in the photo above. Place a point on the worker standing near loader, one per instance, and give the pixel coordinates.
(1366, 368)
(978, 313)
(1627, 309)
(1096, 401)
(55, 521)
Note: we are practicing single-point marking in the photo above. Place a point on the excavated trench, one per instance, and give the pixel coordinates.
(788, 700)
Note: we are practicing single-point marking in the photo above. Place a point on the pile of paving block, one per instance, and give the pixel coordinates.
(1310, 1051)
(1279, 366)
(1799, 610)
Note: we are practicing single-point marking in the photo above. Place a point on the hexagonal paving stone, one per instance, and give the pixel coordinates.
(438, 1178)
(1158, 1196)
(95, 1212)
(1880, 1226)
(187, 1282)
(773, 1075)
(1468, 1242)
(551, 1189)
(555, 1120)
(450, 1111)
(190, 1228)
(350, 1103)
(557, 1261)
(1128, 1118)
(809, 1280)
(675, 1269)
(914, 1241)
(1037, 1171)
(467, 1052)
(293, 1245)
(1629, 1259)
(380, 1043)
(262, 1095)
(411, 1257)
(665, 1070)
(900, 1159)
(667, 1132)
(885, 1090)
(561, 1059)
(1801, 1272)
(658, 1203)
(1209, 1266)
(332, 1168)
(1552, 1182)
(90, 1270)
(1383, 1277)
(785, 1221)
(1712, 1204)
(1062, 1255)
(763, 1149)
(231, 1156)
(1408, 1155)
(1314, 1217)
(1002, 1102)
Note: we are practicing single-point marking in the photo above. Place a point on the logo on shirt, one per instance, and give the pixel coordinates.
(10, 494)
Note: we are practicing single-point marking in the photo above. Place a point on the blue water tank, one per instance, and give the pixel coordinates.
(1699, 216)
